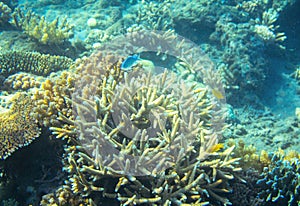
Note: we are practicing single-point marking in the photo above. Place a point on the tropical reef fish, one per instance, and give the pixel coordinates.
(217, 93)
(129, 62)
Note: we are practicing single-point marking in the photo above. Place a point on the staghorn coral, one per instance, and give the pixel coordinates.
(36, 27)
(155, 15)
(280, 182)
(18, 127)
(32, 62)
(146, 137)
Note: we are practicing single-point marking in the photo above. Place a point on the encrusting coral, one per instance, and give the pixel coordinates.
(32, 62)
(17, 127)
(36, 27)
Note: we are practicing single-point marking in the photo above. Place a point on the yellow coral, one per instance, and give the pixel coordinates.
(38, 28)
(22, 81)
(17, 127)
(248, 155)
(52, 98)
(264, 158)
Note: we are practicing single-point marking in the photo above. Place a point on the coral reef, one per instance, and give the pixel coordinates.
(18, 127)
(264, 130)
(245, 193)
(32, 62)
(267, 30)
(146, 138)
(36, 27)
(52, 99)
(247, 153)
(64, 196)
(22, 81)
(5, 13)
(280, 181)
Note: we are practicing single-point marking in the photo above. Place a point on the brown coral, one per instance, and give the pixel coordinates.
(22, 81)
(32, 62)
(52, 99)
(18, 127)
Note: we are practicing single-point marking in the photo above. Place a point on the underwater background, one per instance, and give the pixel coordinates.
(137, 102)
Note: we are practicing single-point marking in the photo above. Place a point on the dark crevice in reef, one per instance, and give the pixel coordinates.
(32, 171)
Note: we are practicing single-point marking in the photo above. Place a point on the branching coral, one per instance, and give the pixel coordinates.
(145, 137)
(5, 13)
(249, 156)
(36, 27)
(280, 181)
(17, 127)
(51, 99)
(22, 81)
(267, 30)
(155, 15)
(32, 62)
(143, 129)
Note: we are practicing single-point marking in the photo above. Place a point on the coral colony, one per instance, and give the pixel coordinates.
(150, 130)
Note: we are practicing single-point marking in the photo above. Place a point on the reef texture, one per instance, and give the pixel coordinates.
(36, 27)
(31, 62)
(22, 81)
(18, 127)
(52, 99)
(146, 137)
(280, 181)
(5, 13)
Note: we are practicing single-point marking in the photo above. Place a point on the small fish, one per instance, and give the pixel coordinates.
(129, 62)
(217, 94)
(216, 147)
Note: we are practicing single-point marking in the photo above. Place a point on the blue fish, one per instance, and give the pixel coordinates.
(129, 62)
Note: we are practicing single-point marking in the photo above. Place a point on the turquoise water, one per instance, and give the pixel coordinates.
(236, 66)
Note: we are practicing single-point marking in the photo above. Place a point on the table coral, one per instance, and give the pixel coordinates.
(36, 27)
(18, 127)
(32, 62)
